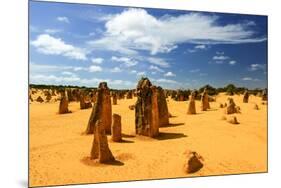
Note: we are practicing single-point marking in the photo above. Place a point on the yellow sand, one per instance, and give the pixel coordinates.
(58, 151)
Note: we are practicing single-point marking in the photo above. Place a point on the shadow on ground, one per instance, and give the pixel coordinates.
(89, 162)
(173, 125)
(167, 136)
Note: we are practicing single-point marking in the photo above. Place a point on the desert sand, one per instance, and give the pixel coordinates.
(59, 153)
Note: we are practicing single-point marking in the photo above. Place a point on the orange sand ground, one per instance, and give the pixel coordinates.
(58, 151)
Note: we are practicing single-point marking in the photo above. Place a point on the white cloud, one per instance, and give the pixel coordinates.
(255, 67)
(112, 44)
(39, 68)
(219, 62)
(52, 31)
(50, 69)
(197, 48)
(63, 19)
(191, 50)
(67, 73)
(79, 68)
(49, 45)
(158, 61)
(194, 70)
(167, 81)
(128, 62)
(155, 68)
(97, 60)
(95, 68)
(247, 78)
(169, 74)
(135, 29)
(51, 79)
(232, 62)
(42, 68)
(221, 57)
(111, 83)
(116, 69)
(133, 72)
(250, 79)
(201, 46)
(75, 80)
(141, 73)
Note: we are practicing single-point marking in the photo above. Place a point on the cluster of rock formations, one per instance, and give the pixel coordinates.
(151, 113)
(231, 107)
(146, 109)
(151, 110)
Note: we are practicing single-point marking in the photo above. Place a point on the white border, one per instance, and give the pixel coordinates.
(13, 95)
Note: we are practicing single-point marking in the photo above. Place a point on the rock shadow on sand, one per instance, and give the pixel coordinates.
(172, 125)
(128, 135)
(126, 141)
(89, 162)
(122, 141)
(167, 136)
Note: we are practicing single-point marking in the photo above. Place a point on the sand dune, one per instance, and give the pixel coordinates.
(59, 152)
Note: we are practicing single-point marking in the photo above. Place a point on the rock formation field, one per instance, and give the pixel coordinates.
(59, 149)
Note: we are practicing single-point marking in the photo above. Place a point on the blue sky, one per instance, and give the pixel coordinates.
(76, 44)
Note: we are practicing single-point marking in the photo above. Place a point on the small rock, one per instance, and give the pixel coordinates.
(194, 162)
(132, 107)
(232, 120)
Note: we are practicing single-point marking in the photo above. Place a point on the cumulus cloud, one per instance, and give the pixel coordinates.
(249, 79)
(155, 68)
(221, 57)
(197, 48)
(133, 72)
(95, 68)
(112, 83)
(158, 61)
(116, 69)
(43, 68)
(73, 79)
(166, 81)
(201, 46)
(169, 74)
(63, 19)
(67, 73)
(232, 62)
(97, 60)
(50, 79)
(141, 73)
(52, 31)
(79, 68)
(46, 44)
(128, 62)
(135, 29)
(255, 67)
